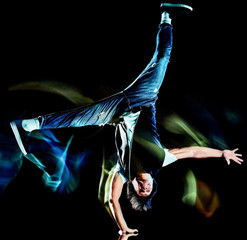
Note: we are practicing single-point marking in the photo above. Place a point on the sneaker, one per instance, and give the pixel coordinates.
(175, 9)
(20, 134)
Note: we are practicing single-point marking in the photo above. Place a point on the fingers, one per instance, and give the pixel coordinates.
(131, 232)
(235, 159)
(236, 149)
(238, 160)
(134, 232)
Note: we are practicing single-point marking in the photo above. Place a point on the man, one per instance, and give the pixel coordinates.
(131, 112)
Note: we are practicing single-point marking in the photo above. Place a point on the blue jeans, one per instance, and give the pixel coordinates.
(141, 93)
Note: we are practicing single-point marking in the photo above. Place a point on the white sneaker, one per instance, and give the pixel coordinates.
(21, 129)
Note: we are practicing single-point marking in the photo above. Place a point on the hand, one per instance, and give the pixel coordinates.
(129, 232)
(126, 236)
(231, 155)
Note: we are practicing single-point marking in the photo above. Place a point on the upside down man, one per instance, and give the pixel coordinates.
(133, 106)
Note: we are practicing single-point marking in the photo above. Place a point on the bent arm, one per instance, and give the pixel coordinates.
(205, 152)
(117, 187)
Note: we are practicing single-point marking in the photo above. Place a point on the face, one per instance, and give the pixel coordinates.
(143, 184)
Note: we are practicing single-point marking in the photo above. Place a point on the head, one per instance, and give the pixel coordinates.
(140, 191)
(143, 184)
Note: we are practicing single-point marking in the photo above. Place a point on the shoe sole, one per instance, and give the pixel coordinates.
(173, 5)
(18, 137)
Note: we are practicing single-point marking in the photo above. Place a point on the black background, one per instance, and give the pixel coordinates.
(100, 47)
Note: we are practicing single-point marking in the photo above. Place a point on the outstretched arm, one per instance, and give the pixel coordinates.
(205, 152)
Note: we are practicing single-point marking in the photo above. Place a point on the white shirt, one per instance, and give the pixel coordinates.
(169, 158)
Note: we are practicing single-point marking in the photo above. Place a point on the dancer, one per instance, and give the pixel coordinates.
(126, 110)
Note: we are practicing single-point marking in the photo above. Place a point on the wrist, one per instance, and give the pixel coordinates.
(224, 153)
(125, 229)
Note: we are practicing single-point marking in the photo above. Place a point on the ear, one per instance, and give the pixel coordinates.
(135, 183)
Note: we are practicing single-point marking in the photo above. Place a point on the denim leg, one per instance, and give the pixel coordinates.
(99, 113)
(144, 90)
(146, 127)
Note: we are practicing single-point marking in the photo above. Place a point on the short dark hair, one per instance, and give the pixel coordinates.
(137, 202)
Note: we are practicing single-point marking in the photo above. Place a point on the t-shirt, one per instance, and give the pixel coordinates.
(169, 158)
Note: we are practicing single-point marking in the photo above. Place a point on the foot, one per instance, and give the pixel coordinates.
(175, 9)
(20, 134)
